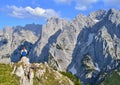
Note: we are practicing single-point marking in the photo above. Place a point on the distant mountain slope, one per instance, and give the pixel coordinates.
(11, 40)
(112, 79)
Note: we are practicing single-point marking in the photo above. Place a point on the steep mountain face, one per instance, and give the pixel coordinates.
(58, 40)
(11, 40)
(88, 46)
(50, 32)
(98, 49)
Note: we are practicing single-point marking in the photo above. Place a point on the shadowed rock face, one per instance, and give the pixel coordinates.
(100, 43)
(12, 40)
(87, 46)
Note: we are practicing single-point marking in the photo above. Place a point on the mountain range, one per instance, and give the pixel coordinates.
(87, 46)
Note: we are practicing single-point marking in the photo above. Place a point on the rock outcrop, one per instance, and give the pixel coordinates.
(38, 74)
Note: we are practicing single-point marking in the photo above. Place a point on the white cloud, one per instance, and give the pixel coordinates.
(62, 1)
(29, 12)
(81, 7)
(84, 4)
(79, 4)
(115, 3)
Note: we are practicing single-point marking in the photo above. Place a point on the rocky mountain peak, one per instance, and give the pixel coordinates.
(113, 16)
(53, 19)
(98, 15)
(56, 21)
(35, 28)
(112, 10)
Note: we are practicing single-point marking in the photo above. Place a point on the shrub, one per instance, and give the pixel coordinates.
(72, 78)
(113, 79)
(59, 47)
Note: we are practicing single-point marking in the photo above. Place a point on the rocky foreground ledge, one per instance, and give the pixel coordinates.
(25, 73)
(38, 74)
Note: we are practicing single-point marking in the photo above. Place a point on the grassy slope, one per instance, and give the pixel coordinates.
(113, 79)
(72, 78)
(49, 78)
(5, 76)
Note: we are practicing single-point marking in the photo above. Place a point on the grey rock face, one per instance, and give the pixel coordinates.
(12, 39)
(100, 14)
(100, 43)
(29, 74)
(22, 69)
(50, 33)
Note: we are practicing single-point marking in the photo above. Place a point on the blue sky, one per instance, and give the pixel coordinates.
(21, 12)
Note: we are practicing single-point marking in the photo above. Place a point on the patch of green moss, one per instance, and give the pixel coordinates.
(113, 79)
(59, 47)
(49, 78)
(36, 81)
(72, 78)
(6, 78)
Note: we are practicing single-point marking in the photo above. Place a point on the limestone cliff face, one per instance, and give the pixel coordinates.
(12, 39)
(96, 51)
(50, 32)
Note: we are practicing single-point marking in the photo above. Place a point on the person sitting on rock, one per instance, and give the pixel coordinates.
(24, 57)
(24, 52)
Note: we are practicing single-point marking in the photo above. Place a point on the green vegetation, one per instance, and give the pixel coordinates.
(85, 62)
(47, 79)
(113, 79)
(52, 62)
(6, 78)
(50, 77)
(59, 47)
(72, 78)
